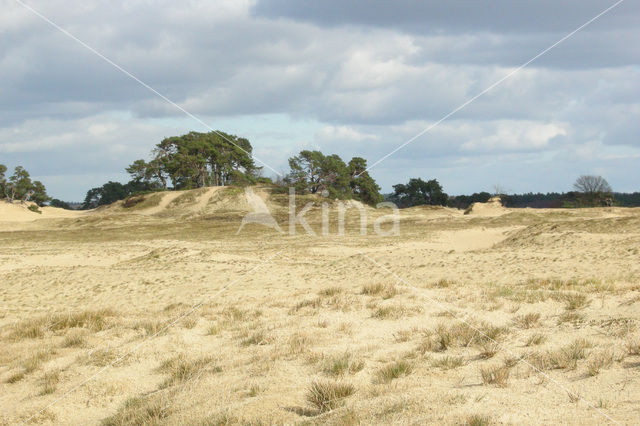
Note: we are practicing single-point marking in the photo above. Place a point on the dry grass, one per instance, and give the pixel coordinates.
(341, 364)
(633, 346)
(535, 339)
(529, 320)
(330, 291)
(384, 290)
(140, 411)
(598, 361)
(49, 382)
(152, 327)
(94, 320)
(477, 420)
(74, 340)
(326, 395)
(448, 362)
(573, 301)
(392, 371)
(181, 369)
(497, 375)
(319, 321)
(299, 343)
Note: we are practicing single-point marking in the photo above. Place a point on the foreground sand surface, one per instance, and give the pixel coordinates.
(158, 313)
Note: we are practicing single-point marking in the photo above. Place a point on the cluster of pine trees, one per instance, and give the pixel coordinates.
(20, 187)
(197, 160)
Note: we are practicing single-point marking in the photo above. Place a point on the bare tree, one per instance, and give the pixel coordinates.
(589, 184)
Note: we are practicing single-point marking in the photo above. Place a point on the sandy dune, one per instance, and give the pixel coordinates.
(160, 314)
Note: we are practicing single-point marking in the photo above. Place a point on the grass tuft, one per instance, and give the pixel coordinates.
(327, 395)
(477, 420)
(181, 369)
(393, 371)
(528, 320)
(497, 375)
(535, 339)
(139, 411)
(599, 361)
(49, 382)
(341, 364)
(448, 362)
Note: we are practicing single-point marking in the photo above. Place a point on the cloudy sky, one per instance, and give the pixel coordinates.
(356, 78)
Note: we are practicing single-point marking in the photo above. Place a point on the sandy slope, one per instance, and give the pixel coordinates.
(561, 289)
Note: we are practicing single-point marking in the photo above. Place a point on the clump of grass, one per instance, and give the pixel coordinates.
(570, 317)
(34, 361)
(341, 364)
(633, 347)
(152, 327)
(489, 349)
(93, 320)
(393, 371)
(573, 301)
(330, 291)
(256, 338)
(189, 322)
(599, 361)
(448, 362)
(308, 303)
(74, 340)
(233, 314)
(298, 343)
(528, 320)
(443, 283)
(140, 411)
(386, 291)
(564, 358)
(327, 395)
(103, 357)
(497, 375)
(16, 377)
(394, 311)
(477, 420)
(49, 382)
(214, 330)
(181, 369)
(535, 339)
(29, 329)
(570, 354)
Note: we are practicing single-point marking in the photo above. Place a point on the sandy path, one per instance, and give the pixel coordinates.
(203, 200)
(166, 200)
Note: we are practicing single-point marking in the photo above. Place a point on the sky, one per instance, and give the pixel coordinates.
(355, 78)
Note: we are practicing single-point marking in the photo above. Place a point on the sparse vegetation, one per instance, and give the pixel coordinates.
(393, 370)
(341, 364)
(326, 395)
(528, 320)
(333, 327)
(598, 361)
(535, 339)
(140, 411)
(497, 375)
(448, 362)
(49, 382)
(181, 369)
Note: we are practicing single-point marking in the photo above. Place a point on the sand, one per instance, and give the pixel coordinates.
(163, 303)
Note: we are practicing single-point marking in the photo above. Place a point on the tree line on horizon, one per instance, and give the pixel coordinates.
(197, 160)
